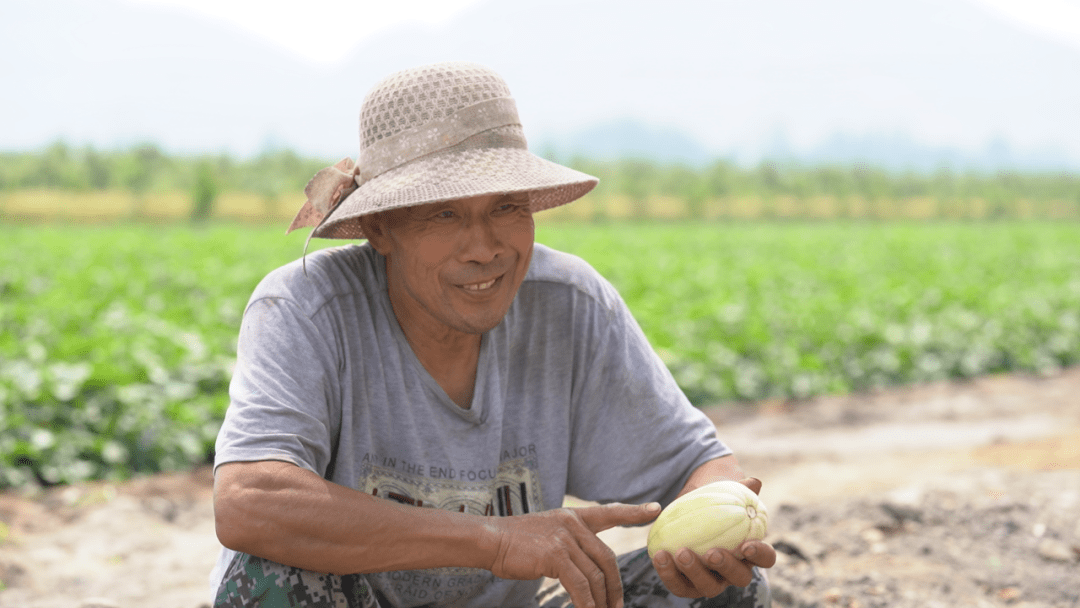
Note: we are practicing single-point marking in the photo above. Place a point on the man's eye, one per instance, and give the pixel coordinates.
(445, 215)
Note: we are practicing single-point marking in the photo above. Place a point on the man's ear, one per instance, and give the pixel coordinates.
(374, 227)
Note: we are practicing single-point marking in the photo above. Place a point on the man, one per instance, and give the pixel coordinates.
(407, 415)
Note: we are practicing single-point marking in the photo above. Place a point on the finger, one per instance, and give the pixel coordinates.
(594, 562)
(601, 556)
(603, 517)
(676, 583)
(595, 577)
(705, 579)
(613, 580)
(758, 552)
(577, 585)
(753, 483)
(728, 567)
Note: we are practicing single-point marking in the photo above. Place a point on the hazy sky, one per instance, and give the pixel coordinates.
(326, 30)
(320, 30)
(781, 74)
(1056, 19)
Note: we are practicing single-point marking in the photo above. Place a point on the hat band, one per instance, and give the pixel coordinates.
(437, 135)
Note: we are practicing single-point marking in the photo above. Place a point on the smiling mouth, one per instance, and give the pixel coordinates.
(480, 286)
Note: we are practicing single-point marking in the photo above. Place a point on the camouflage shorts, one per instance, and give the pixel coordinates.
(642, 588)
(253, 582)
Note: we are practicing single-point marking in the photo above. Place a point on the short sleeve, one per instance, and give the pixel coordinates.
(284, 402)
(635, 436)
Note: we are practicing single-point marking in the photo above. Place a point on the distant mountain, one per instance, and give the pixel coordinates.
(108, 73)
(695, 77)
(628, 138)
(899, 152)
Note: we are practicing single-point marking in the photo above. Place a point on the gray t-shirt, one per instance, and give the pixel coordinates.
(569, 399)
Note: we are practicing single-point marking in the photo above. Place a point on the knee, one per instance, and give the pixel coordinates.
(758, 590)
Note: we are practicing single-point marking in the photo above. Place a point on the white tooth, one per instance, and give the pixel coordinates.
(479, 286)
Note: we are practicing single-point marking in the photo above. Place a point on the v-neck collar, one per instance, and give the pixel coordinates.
(476, 413)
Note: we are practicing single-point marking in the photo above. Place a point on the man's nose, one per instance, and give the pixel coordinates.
(482, 242)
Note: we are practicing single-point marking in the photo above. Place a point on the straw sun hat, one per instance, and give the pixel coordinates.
(434, 133)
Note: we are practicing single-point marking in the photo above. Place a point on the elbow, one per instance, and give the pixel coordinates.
(230, 525)
(236, 513)
(230, 531)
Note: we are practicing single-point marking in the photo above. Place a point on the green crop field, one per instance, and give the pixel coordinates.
(117, 341)
(744, 311)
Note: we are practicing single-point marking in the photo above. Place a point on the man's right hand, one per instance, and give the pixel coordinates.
(562, 544)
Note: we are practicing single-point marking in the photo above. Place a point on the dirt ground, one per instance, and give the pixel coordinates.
(956, 494)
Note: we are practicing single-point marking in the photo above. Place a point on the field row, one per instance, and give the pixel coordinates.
(110, 206)
(118, 342)
(752, 311)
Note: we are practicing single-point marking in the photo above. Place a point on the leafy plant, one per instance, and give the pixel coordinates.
(744, 311)
(117, 343)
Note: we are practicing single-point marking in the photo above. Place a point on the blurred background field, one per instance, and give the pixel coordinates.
(120, 299)
(144, 183)
(857, 221)
(796, 198)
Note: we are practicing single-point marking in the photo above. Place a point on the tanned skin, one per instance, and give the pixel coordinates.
(453, 269)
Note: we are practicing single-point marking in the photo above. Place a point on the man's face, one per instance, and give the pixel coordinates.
(457, 264)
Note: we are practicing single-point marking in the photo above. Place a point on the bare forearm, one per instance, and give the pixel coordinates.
(725, 467)
(292, 516)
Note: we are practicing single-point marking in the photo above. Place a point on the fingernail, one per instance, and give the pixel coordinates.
(685, 558)
(750, 551)
(662, 559)
(652, 507)
(716, 558)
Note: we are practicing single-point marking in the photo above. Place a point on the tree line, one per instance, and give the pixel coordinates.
(1000, 192)
(144, 169)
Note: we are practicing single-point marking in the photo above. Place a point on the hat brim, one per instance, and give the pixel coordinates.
(457, 174)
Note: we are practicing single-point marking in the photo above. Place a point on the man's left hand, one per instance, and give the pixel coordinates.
(687, 574)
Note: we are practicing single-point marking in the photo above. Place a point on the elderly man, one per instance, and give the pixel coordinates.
(407, 415)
